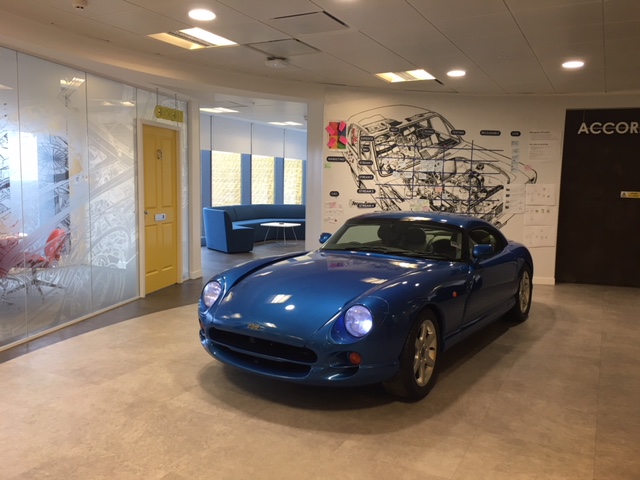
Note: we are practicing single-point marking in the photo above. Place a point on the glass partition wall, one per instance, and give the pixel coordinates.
(68, 193)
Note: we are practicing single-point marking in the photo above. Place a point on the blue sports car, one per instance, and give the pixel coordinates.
(379, 301)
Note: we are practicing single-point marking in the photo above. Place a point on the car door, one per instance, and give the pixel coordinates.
(493, 279)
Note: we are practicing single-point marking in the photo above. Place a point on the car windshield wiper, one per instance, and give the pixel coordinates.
(431, 255)
(376, 249)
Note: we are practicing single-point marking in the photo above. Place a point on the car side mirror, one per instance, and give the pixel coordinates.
(482, 251)
(324, 237)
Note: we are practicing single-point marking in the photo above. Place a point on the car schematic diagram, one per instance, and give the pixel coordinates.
(410, 158)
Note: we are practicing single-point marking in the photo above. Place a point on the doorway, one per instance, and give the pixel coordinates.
(599, 216)
(161, 207)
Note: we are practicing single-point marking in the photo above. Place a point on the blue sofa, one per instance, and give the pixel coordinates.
(235, 228)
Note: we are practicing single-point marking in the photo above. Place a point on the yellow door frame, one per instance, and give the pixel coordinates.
(142, 264)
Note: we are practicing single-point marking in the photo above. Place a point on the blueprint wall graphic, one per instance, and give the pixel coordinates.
(407, 158)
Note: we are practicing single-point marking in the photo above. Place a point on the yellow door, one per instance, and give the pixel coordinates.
(160, 207)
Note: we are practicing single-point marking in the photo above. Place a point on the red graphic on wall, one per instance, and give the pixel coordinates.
(337, 135)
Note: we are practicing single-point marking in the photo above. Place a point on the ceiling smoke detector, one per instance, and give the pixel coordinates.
(276, 62)
(80, 4)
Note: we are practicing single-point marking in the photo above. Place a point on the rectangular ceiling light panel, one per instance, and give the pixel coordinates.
(192, 39)
(408, 76)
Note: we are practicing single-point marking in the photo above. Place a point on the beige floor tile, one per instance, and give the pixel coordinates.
(617, 461)
(557, 426)
(492, 457)
(554, 398)
(85, 462)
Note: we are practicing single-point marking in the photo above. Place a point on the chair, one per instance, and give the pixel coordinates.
(447, 246)
(221, 235)
(388, 236)
(414, 239)
(52, 252)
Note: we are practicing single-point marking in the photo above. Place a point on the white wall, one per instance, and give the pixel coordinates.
(526, 114)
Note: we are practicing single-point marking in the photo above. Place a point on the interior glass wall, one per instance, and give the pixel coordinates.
(68, 193)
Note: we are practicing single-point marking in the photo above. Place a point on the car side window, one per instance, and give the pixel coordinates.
(485, 236)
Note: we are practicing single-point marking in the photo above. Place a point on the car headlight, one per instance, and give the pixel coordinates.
(358, 321)
(211, 292)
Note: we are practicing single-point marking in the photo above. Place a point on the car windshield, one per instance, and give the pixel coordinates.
(418, 239)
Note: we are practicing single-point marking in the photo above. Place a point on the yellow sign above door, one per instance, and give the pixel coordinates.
(167, 113)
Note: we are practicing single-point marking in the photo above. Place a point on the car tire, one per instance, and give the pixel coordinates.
(419, 360)
(520, 310)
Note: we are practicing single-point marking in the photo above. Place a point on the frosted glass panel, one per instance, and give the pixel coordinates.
(13, 308)
(262, 179)
(68, 216)
(53, 141)
(113, 239)
(226, 178)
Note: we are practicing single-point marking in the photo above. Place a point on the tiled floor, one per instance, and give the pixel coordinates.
(553, 398)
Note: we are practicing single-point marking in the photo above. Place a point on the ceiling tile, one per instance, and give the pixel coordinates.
(307, 24)
(361, 51)
(141, 22)
(283, 48)
(267, 9)
(248, 32)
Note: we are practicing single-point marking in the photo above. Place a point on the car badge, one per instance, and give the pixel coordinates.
(254, 326)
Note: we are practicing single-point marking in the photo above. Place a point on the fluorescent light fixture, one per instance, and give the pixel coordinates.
(456, 73)
(573, 64)
(286, 124)
(192, 39)
(218, 110)
(202, 14)
(408, 76)
(206, 36)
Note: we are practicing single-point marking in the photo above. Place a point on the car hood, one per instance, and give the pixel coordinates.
(296, 296)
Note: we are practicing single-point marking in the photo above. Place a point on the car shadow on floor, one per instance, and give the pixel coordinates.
(477, 364)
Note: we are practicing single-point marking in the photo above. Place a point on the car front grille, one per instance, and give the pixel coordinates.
(264, 355)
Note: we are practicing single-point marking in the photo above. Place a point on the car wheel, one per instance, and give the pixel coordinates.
(520, 310)
(419, 360)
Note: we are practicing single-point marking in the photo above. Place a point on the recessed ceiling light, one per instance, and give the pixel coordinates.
(408, 76)
(457, 73)
(573, 64)
(202, 14)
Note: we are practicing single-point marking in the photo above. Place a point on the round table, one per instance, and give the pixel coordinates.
(283, 226)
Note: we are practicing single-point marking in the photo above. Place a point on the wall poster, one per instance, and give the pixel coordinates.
(407, 158)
